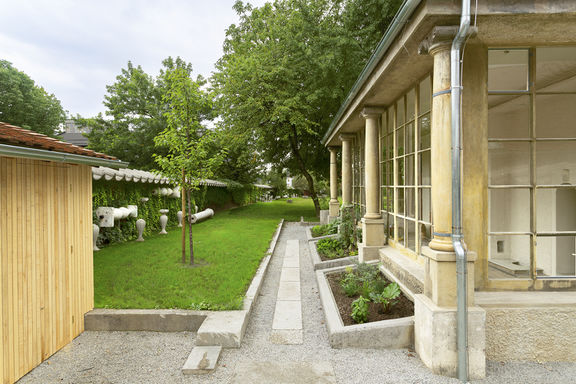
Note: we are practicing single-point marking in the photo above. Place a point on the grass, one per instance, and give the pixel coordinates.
(228, 249)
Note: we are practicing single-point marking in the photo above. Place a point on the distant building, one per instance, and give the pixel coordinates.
(74, 133)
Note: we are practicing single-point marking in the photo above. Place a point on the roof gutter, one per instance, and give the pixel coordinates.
(42, 154)
(406, 10)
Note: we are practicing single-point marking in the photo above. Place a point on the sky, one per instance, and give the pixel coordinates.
(74, 48)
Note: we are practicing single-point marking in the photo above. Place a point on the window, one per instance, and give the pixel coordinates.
(405, 168)
(358, 193)
(532, 162)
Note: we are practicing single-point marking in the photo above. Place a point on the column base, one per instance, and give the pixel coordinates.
(435, 338)
(334, 209)
(324, 216)
(373, 238)
(368, 252)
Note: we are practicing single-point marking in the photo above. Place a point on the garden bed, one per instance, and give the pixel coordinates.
(320, 262)
(392, 333)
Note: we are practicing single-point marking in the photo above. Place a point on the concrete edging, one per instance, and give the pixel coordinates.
(309, 236)
(180, 320)
(319, 264)
(389, 334)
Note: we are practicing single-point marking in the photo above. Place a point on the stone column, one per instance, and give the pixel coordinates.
(346, 168)
(372, 223)
(334, 205)
(435, 324)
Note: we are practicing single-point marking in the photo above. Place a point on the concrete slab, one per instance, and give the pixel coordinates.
(156, 320)
(292, 248)
(287, 315)
(287, 336)
(289, 290)
(291, 262)
(290, 274)
(224, 328)
(284, 372)
(202, 360)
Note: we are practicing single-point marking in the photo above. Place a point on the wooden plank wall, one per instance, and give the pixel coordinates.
(46, 270)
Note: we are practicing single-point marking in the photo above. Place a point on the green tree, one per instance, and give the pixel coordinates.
(286, 69)
(188, 143)
(27, 105)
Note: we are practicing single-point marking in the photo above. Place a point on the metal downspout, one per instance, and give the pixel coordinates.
(457, 236)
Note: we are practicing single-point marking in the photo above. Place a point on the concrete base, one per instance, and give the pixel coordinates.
(156, 320)
(435, 338)
(202, 360)
(368, 253)
(334, 208)
(324, 214)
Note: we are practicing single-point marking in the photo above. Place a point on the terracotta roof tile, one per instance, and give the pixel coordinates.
(11, 134)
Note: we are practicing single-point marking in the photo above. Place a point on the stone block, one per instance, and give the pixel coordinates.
(287, 315)
(290, 274)
(435, 338)
(202, 360)
(225, 328)
(368, 253)
(289, 290)
(156, 320)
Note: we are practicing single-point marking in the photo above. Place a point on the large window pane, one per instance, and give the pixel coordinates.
(556, 116)
(425, 205)
(410, 235)
(556, 209)
(400, 231)
(510, 210)
(410, 170)
(425, 95)
(507, 69)
(400, 170)
(400, 141)
(508, 117)
(424, 167)
(556, 162)
(509, 163)
(509, 256)
(400, 201)
(409, 133)
(556, 69)
(410, 105)
(555, 256)
(424, 126)
(410, 202)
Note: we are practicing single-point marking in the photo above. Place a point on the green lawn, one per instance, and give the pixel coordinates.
(229, 248)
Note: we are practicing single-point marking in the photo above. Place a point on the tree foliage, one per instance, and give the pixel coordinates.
(286, 69)
(27, 105)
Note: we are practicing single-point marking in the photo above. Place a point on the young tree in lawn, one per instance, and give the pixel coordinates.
(190, 154)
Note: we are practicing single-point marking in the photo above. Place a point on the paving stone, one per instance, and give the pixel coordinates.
(287, 315)
(290, 274)
(284, 372)
(291, 262)
(202, 360)
(287, 336)
(289, 290)
(292, 248)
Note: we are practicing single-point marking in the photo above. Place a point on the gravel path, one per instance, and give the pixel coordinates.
(149, 357)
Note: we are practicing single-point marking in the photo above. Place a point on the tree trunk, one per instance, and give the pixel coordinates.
(183, 191)
(302, 166)
(190, 227)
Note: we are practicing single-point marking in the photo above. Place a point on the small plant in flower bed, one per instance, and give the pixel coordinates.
(325, 229)
(333, 248)
(363, 294)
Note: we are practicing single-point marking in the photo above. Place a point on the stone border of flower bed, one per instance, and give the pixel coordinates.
(317, 261)
(225, 328)
(390, 334)
(309, 236)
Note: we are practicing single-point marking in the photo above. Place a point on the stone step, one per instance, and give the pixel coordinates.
(202, 360)
(225, 328)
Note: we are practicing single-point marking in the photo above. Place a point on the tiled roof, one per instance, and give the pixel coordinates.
(11, 134)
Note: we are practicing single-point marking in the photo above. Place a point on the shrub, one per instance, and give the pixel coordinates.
(360, 310)
(387, 298)
(325, 229)
(330, 248)
(350, 284)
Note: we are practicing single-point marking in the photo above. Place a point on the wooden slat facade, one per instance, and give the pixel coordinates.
(46, 269)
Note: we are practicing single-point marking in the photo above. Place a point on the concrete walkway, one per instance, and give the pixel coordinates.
(264, 357)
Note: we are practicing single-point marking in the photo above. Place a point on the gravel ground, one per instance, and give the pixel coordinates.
(149, 357)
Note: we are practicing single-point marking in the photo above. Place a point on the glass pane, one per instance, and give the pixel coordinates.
(386, 217)
(555, 256)
(409, 130)
(400, 230)
(410, 170)
(390, 140)
(400, 112)
(425, 95)
(410, 105)
(555, 116)
(424, 159)
(400, 192)
(390, 200)
(556, 209)
(400, 141)
(425, 205)
(556, 69)
(509, 163)
(410, 235)
(509, 210)
(508, 116)
(410, 202)
(384, 203)
(507, 69)
(424, 124)
(400, 170)
(556, 162)
(509, 257)
(425, 234)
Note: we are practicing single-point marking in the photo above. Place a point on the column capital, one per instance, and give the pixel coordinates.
(372, 112)
(438, 40)
(333, 148)
(347, 136)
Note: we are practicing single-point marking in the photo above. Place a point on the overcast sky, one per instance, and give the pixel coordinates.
(74, 48)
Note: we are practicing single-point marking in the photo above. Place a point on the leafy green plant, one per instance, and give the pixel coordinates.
(331, 248)
(360, 310)
(387, 298)
(350, 284)
(325, 229)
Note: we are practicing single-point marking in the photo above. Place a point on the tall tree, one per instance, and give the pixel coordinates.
(188, 143)
(27, 105)
(285, 70)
